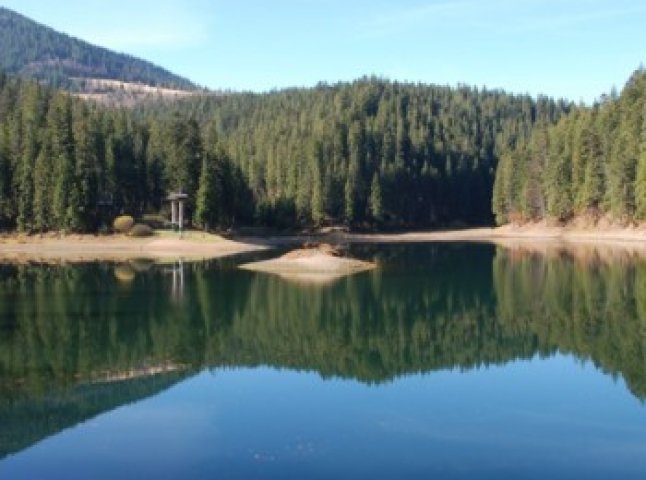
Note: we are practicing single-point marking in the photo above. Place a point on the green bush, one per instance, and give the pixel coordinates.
(123, 224)
(140, 230)
(154, 220)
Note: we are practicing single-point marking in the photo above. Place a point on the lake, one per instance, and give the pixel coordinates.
(448, 361)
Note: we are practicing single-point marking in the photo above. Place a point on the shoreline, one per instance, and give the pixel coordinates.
(198, 245)
(629, 236)
(117, 248)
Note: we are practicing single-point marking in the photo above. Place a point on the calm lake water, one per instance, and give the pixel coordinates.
(449, 361)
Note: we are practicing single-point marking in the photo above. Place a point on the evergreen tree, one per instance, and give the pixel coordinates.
(208, 199)
(43, 189)
(31, 113)
(557, 177)
(366, 152)
(640, 180)
(184, 157)
(6, 196)
(86, 139)
(593, 163)
(376, 208)
(317, 201)
(66, 196)
(155, 186)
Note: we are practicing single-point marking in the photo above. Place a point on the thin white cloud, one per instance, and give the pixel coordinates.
(151, 24)
(531, 16)
(548, 22)
(393, 21)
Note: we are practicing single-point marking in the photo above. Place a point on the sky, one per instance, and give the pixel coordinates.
(575, 49)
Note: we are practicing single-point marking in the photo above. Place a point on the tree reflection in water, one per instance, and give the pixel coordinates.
(79, 340)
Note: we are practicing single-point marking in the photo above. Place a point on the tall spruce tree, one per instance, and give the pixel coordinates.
(209, 195)
(376, 201)
(66, 196)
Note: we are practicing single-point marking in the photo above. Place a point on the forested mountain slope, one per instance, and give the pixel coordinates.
(32, 50)
(371, 153)
(591, 164)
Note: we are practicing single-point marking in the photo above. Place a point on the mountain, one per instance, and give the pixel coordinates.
(31, 50)
(369, 154)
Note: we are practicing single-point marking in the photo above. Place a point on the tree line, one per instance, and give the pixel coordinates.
(70, 165)
(371, 153)
(591, 163)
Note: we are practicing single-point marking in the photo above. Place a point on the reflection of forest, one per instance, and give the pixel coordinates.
(588, 302)
(27, 419)
(429, 307)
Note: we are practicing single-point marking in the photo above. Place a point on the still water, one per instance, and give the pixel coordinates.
(448, 361)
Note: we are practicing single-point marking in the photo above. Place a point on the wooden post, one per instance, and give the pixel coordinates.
(173, 212)
(176, 200)
(181, 215)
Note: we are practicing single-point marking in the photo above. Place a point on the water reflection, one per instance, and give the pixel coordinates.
(78, 340)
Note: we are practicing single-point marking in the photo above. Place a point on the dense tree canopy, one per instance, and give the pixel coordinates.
(368, 153)
(70, 165)
(593, 163)
(371, 152)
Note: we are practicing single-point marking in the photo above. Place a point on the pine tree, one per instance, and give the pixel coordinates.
(66, 197)
(317, 202)
(43, 195)
(376, 207)
(557, 178)
(155, 188)
(32, 104)
(621, 167)
(592, 190)
(350, 193)
(86, 139)
(640, 180)
(184, 157)
(207, 200)
(353, 185)
(5, 178)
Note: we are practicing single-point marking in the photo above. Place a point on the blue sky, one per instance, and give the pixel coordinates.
(566, 48)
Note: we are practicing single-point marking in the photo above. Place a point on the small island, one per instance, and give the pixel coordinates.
(311, 264)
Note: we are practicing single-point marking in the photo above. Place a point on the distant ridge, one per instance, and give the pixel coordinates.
(31, 50)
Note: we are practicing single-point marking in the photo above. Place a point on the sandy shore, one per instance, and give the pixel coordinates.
(84, 248)
(197, 245)
(533, 233)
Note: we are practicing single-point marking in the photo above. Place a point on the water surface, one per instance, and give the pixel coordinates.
(450, 361)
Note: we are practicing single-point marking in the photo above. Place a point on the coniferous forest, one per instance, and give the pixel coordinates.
(371, 153)
(592, 163)
(35, 51)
